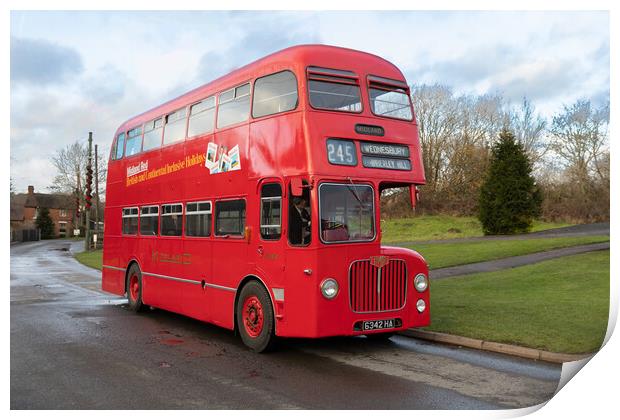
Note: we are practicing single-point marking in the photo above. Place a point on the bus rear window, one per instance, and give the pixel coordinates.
(336, 90)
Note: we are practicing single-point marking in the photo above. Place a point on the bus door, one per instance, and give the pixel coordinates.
(267, 247)
(300, 216)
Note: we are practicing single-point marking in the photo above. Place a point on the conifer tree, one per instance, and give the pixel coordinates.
(509, 196)
(45, 223)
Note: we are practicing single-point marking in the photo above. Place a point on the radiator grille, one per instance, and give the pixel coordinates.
(375, 290)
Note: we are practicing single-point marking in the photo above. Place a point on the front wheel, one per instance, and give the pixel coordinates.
(134, 288)
(255, 317)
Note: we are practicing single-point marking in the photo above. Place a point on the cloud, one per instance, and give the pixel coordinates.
(74, 72)
(516, 71)
(107, 85)
(39, 62)
(256, 43)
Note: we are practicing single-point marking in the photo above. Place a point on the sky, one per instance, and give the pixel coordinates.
(75, 72)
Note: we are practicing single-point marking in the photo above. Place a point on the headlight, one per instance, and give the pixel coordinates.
(329, 288)
(421, 305)
(420, 282)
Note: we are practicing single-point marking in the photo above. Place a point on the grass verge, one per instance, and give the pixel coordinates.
(92, 259)
(423, 228)
(451, 254)
(560, 305)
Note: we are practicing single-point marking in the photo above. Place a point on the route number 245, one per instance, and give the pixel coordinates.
(341, 152)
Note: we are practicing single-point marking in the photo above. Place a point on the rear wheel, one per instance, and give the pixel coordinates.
(134, 288)
(255, 317)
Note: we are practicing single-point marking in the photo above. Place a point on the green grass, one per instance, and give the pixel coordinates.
(561, 305)
(423, 228)
(92, 259)
(440, 255)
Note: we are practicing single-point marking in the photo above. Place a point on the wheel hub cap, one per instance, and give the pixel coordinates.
(253, 316)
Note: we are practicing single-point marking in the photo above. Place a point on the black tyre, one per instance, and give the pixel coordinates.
(255, 319)
(134, 288)
(380, 336)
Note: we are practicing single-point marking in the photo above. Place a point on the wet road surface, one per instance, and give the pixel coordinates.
(76, 347)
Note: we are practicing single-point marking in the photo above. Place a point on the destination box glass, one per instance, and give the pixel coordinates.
(386, 163)
(384, 149)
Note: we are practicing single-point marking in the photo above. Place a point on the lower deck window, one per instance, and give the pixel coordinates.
(149, 218)
(172, 219)
(198, 219)
(130, 221)
(230, 217)
(271, 212)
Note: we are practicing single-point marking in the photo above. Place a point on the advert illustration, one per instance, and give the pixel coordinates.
(220, 160)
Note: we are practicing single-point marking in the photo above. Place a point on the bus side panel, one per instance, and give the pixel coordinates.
(221, 307)
(113, 271)
(229, 262)
(276, 146)
(297, 315)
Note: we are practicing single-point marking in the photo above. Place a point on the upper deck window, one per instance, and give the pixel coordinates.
(120, 146)
(201, 117)
(175, 126)
(336, 90)
(234, 106)
(274, 93)
(134, 141)
(389, 98)
(152, 134)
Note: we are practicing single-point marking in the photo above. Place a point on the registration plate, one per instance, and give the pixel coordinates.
(380, 324)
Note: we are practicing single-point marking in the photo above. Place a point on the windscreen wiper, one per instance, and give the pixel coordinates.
(354, 192)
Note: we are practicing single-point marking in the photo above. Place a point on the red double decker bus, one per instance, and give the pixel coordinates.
(252, 202)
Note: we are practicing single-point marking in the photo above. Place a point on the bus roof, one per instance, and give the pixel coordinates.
(295, 58)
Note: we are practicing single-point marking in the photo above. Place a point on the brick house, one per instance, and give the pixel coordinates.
(25, 208)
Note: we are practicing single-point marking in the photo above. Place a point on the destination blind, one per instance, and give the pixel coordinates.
(385, 156)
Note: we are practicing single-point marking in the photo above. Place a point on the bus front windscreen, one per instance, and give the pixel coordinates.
(346, 212)
(390, 103)
(335, 96)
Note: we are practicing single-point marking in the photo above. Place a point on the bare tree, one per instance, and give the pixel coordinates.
(438, 119)
(529, 129)
(455, 135)
(579, 135)
(102, 174)
(579, 142)
(71, 161)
